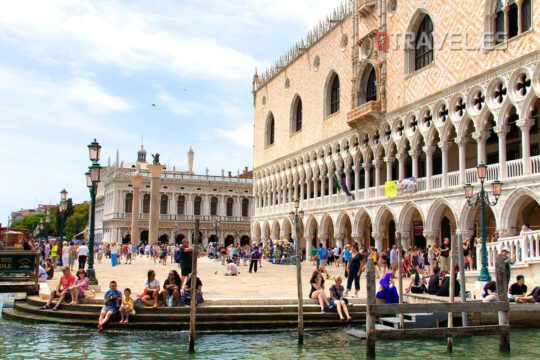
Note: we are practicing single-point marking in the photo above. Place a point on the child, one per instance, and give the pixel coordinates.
(127, 306)
(112, 301)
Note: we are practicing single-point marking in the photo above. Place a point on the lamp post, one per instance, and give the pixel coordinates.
(296, 217)
(482, 198)
(61, 210)
(93, 177)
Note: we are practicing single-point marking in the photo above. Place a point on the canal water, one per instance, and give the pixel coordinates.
(23, 341)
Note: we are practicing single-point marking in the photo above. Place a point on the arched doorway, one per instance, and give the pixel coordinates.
(144, 237)
(163, 239)
(199, 238)
(327, 231)
(229, 240)
(345, 229)
(386, 229)
(178, 239)
(213, 239)
(364, 228)
(411, 226)
(244, 240)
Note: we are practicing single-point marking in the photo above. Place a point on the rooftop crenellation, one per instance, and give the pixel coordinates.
(322, 28)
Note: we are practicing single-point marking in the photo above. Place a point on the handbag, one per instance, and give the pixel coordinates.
(89, 293)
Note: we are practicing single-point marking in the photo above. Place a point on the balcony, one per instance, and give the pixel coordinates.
(525, 248)
(365, 112)
(366, 7)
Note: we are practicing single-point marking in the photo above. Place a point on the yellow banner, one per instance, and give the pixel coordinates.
(390, 188)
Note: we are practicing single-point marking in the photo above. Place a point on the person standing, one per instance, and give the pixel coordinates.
(82, 253)
(394, 259)
(322, 258)
(254, 258)
(186, 258)
(54, 253)
(65, 253)
(353, 270)
(444, 253)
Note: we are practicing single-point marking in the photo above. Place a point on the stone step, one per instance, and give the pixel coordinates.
(69, 312)
(202, 327)
(205, 308)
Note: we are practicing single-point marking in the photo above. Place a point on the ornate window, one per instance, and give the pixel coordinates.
(213, 205)
(128, 204)
(245, 208)
(507, 19)
(298, 115)
(164, 204)
(270, 130)
(197, 206)
(334, 94)
(146, 204)
(423, 44)
(181, 205)
(371, 86)
(230, 203)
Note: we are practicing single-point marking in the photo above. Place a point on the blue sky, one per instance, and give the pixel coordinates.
(71, 71)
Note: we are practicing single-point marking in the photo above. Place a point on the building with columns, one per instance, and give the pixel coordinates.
(148, 203)
(376, 93)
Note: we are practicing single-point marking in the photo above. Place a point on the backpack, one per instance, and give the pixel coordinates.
(177, 257)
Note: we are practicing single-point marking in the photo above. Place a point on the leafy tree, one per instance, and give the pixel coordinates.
(77, 221)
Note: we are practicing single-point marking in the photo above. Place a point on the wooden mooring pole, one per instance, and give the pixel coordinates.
(370, 318)
(400, 278)
(193, 300)
(452, 292)
(462, 280)
(299, 283)
(502, 273)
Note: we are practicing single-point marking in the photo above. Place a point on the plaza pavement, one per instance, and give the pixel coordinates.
(270, 281)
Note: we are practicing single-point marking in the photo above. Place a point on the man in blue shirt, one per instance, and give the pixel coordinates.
(394, 259)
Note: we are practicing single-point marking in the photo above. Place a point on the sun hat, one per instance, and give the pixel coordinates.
(505, 248)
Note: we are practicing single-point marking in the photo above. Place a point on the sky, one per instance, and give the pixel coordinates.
(72, 71)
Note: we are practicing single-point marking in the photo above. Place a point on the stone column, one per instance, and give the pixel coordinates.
(378, 241)
(339, 240)
(429, 150)
(402, 158)
(389, 161)
(155, 179)
(135, 209)
(330, 183)
(356, 178)
(348, 177)
(301, 189)
(414, 156)
(432, 237)
(323, 186)
(525, 126)
(309, 240)
(206, 205)
(377, 163)
(501, 131)
(462, 144)
(367, 168)
(315, 180)
(481, 137)
(444, 146)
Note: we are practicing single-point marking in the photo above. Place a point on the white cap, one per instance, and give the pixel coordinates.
(505, 248)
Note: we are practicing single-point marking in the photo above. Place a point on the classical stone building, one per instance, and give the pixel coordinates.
(125, 210)
(386, 90)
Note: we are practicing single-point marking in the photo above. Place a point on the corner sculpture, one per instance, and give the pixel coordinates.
(156, 158)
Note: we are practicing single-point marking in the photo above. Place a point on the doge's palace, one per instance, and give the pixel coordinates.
(418, 92)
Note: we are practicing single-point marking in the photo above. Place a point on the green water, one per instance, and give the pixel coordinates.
(23, 341)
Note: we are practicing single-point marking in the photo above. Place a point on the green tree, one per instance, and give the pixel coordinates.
(76, 221)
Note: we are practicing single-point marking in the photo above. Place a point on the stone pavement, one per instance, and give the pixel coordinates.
(270, 281)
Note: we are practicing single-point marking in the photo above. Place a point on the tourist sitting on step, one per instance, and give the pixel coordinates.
(150, 295)
(535, 294)
(42, 275)
(62, 291)
(171, 289)
(186, 291)
(518, 291)
(317, 289)
(82, 285)
(489, 292)
(339, 301)
(434, 282)
(387, 293)
(127, 308)
(417, 284)
(444, 290)
(49, 268)
(112, 301)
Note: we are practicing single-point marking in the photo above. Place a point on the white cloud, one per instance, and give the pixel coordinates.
(91, 94)
(241, 134)
(179, 107)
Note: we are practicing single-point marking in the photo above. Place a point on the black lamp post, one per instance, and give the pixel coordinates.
(482, 198)
(61, 211)
(296, 217)
(93, 177)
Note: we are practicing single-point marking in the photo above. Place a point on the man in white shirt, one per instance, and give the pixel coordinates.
(82, 252)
